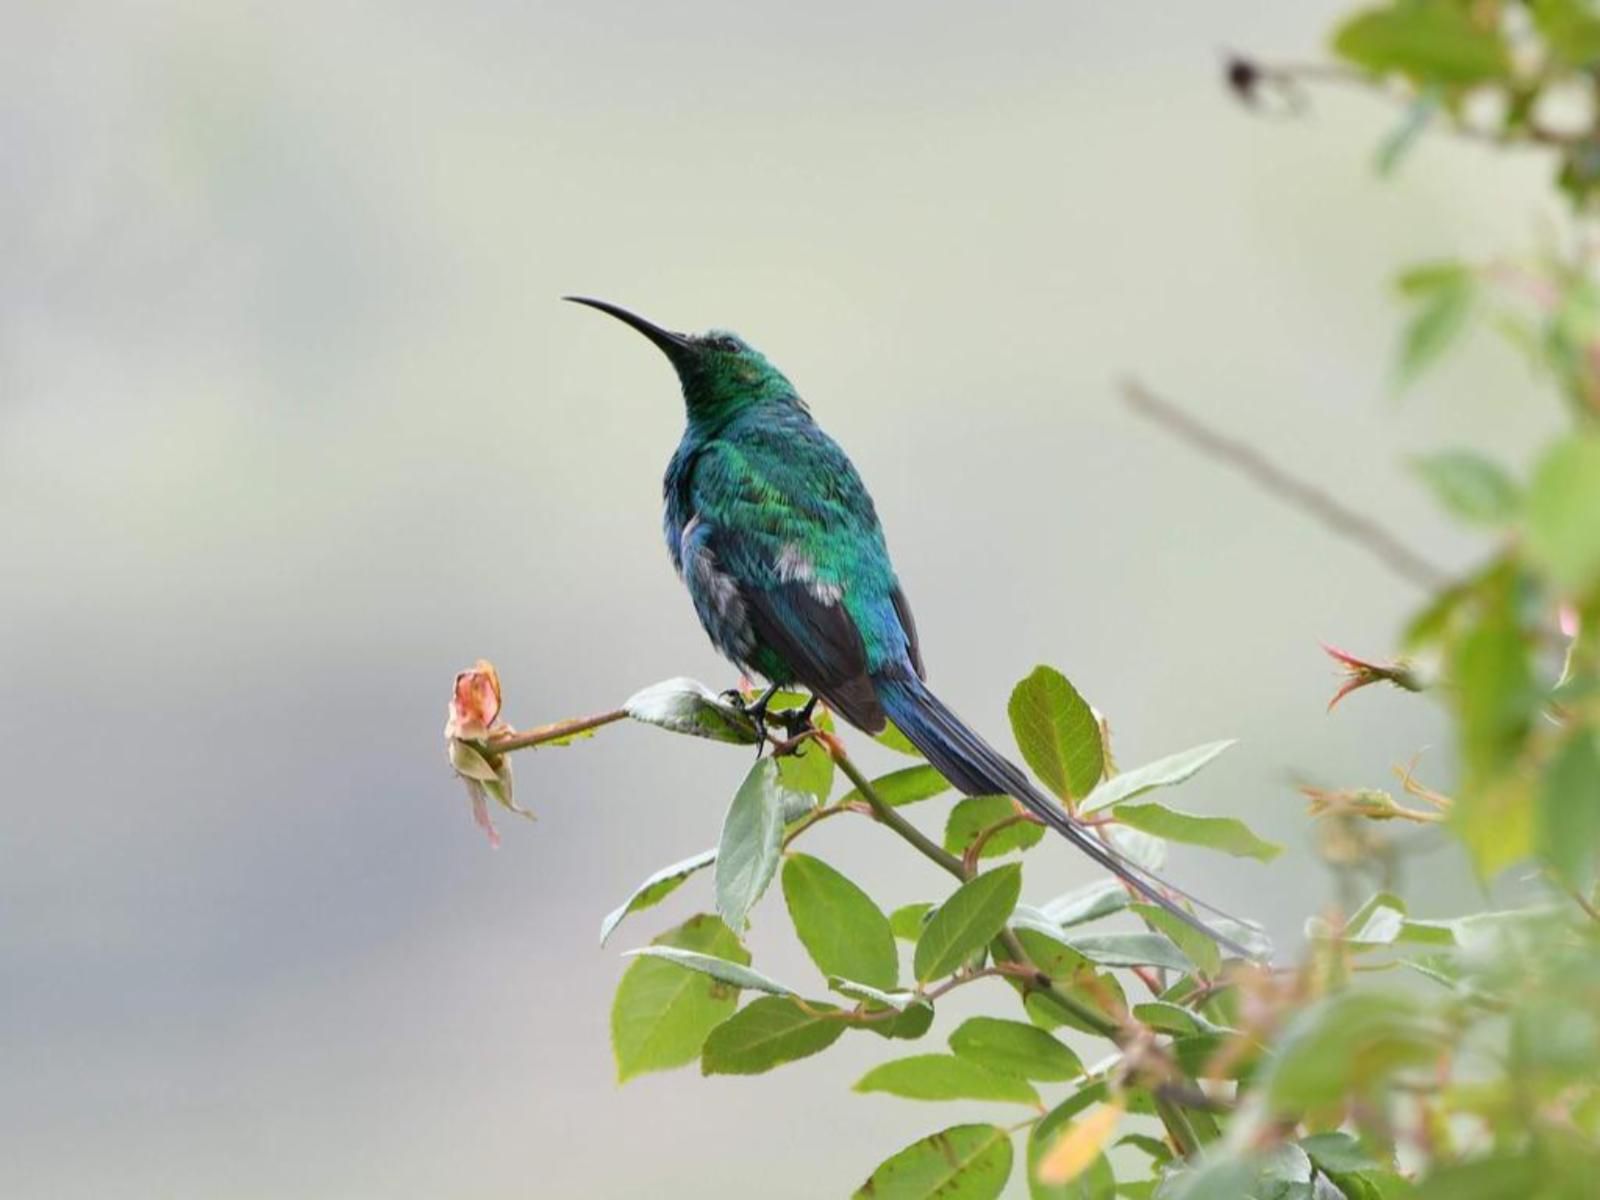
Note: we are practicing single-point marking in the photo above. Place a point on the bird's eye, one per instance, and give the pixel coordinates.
(731, 345)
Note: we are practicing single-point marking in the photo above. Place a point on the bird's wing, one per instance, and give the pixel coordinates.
(791, 525)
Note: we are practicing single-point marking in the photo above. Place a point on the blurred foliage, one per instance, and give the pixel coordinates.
(1398, 1057)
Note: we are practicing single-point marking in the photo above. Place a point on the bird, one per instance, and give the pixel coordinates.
(779, 544)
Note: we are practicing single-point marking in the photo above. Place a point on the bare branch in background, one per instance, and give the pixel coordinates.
(1328, 512)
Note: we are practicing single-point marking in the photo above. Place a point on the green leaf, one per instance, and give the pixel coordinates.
(1349, 1041)
(1088, 903)
(1130, 950)
(1196, 946)
(1378, 922)
(944, 1077)
(1442, 311)
(661, 1015)
(688, 706)
(965, 1162)
(845, 933)
(1570, 29)
(905, 786)
(1057, 733)
(1097, 1183)
(892, 738)
(752, 835)
(1014, 1048)
(1337, 1152)
(861, 991)
(1164, 772)
(726, 970)
(1175, 1019)
(965, 922)
(1567, 824)
(1429, 41)
(1228, 834)
(973, 815)
(655, 889)
(1563, 513)
(914, 1021)
(809, 770)
(907, 920)
(1470, 486)
(767, 1032)
(1495, 699)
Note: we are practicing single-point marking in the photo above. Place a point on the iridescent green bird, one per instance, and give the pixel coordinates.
(778, 542)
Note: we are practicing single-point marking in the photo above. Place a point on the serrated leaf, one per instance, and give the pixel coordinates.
(1196, 946)
(944, 1077)
(964, 1162)
(965, 922)
(971, 816)
(655, 889)
(899, 1001)
(845, 933)
(1164, 772)
(905, 786)
(1014, 1048)
(907, 920)
(726, 970)
(1175, 1019)
(1088, 903)
(1057, 733)
(752, 838)
(688, 706)
(661, 1015)
(1143, 849)
(1227, 834)
(1130, 950)
(767, 1032)
(1470, 486)
(1563, 513)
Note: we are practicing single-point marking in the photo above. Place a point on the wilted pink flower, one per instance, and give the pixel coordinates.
(474, 703)
(1360, 673)
(472, 719)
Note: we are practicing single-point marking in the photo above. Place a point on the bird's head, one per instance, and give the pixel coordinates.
(720, 371)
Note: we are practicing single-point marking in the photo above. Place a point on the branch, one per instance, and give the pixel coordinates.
(552, 733)
(1245, 460)
(1248, 77)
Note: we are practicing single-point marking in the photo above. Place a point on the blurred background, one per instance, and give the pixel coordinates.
(293, 427)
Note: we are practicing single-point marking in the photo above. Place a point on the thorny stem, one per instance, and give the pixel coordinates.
(552, 733)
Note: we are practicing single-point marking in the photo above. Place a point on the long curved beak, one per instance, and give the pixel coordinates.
(671, 344)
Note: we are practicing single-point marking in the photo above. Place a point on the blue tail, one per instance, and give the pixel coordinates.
(975, 768)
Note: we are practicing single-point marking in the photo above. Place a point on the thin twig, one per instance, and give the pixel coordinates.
(1309, 499)
(553, 733)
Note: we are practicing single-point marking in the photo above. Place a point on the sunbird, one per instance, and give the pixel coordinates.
(777, 540)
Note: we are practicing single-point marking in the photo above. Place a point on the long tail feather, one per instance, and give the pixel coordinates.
(977, 769)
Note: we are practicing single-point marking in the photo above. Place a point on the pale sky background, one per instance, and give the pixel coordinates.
(293, 426)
